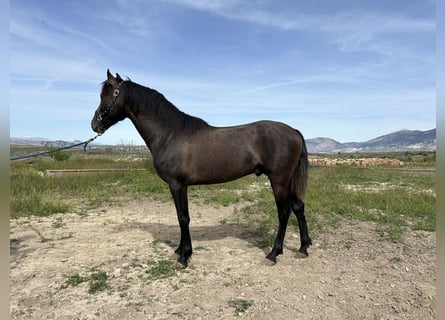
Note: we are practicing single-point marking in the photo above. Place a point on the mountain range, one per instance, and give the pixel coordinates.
(35, 141)
(403, 140)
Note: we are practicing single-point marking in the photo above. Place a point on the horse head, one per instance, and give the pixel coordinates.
(111, 108)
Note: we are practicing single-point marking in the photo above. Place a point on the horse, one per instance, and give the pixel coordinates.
(186, 151)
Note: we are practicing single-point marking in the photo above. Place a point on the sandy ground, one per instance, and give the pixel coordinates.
(351, 272)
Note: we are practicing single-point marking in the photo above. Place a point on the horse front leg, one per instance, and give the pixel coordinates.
(184, 250)
(283, 218)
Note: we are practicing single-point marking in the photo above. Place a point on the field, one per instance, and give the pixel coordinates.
(94, 244)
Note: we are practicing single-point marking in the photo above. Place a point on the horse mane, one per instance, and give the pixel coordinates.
(163, 111)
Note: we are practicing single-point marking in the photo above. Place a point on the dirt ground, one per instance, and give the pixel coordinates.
(351, 272)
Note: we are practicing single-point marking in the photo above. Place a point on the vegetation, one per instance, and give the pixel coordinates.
(57, 155)
(396, 200)
(413, 159)
(74, 280)
(240, 305)
(97, 281)
(161, 269)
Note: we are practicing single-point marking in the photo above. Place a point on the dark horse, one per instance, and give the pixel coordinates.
(188, 151)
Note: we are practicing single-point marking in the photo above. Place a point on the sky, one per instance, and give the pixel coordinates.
(347, 70)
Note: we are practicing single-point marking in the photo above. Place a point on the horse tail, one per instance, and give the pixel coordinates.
(299, 180)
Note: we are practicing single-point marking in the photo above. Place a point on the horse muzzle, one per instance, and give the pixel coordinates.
(97, 125)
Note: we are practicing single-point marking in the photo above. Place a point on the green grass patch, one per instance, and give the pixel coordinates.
(161, 269)
(74, 280)
(240, 305)
(37, 205)
(396, 200)
(97, 282)
(33, 192)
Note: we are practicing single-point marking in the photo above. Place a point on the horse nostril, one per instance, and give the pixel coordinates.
(94, 125)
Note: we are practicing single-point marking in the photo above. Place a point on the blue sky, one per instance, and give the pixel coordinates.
(348, 70)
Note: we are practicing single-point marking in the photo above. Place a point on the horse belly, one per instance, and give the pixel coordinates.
(217, 166)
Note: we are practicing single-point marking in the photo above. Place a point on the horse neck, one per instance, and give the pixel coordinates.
(156, 119)
(150, 130)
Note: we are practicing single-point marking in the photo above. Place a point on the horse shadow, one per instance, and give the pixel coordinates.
(170, 234)
(19, 249)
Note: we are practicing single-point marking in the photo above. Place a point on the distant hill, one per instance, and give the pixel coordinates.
(317, 145)
(34, 141)
(403, 140)
(29, 141)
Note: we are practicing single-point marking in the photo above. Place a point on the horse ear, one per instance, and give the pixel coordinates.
(118, 77)
(111, 80)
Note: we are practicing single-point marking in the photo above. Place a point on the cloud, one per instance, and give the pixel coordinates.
(350, 30)
(46, 47)
(215, 6)
(294, 18)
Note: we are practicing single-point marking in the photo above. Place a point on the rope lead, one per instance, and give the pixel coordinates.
(84, 143)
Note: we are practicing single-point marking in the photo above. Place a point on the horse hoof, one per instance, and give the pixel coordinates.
(301, 255)
(269, 262)
(180, 266)
(174, 257)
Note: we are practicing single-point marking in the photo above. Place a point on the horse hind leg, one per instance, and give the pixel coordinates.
(305, 240)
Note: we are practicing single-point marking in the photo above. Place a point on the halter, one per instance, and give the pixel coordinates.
(111, 105)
